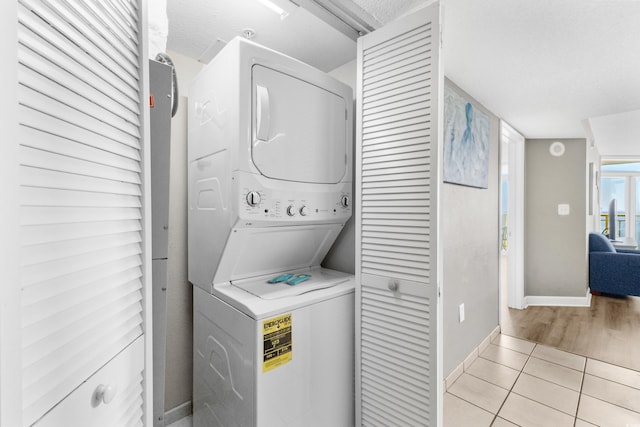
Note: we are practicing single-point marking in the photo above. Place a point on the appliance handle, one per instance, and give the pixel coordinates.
(263, 115)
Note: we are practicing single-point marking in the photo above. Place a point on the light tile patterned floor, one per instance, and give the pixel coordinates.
(515, 382)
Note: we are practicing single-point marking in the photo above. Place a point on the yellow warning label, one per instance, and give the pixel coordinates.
(277, 345)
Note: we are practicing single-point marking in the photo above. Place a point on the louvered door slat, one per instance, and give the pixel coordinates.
(397, 182)
(40, 121)
(401, 70)
(37, 36)
(396, 117)
(46, 306)
(401, 144)
(81, 20)
(108, 18)
(131, 405)
(71, 28)
(60, 232)
(60, 111)
(39, 273)
(399, 131)
(57, 93)
(36, 254)
(407, 392)
(401, 150)
(75, 281)
(420, 168)
(126, 22)
(61, 162)
(417, 106)
(128, 12)
(382, 49)
(57, 74)
(121, 44)
(41, 177)
(396, 256)
(81, 205)
(62, 215)
(56, 335)
(60, 94)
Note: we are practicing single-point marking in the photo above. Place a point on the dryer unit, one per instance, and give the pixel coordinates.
(270, 144)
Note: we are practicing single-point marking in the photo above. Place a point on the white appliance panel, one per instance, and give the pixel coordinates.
(314, 389)
(299, 129)
(270, 143)
(320, 279)
(252, 252)
(299, 179)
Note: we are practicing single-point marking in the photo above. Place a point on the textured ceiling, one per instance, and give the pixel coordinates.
(544, 65)
(194, 25)
(385, 11)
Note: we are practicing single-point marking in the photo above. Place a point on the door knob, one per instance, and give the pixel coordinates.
(105, 393)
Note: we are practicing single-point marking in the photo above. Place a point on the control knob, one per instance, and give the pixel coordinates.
(291, 210)
(253, 198)
(304, 211)
(345, 201)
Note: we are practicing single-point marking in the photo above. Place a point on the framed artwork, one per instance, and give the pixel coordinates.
(466, 142)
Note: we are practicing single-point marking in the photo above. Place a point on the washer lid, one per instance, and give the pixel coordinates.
(320, 279)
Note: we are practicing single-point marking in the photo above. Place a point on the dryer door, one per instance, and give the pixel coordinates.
(298, 129)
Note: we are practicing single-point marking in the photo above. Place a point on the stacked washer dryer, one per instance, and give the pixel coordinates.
(270, 143)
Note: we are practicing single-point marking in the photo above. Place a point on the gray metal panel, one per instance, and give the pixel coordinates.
(160, 90)
(159, 271)
(160, 123)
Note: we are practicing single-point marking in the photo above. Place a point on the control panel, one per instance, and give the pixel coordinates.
(270, 205)
(274, 205)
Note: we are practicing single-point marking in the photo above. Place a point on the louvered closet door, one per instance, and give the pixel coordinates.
(81, 196)
(398, 177)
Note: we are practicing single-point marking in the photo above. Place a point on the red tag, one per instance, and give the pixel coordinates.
(151, 103)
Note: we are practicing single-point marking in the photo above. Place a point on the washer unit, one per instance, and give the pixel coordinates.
(270, 143)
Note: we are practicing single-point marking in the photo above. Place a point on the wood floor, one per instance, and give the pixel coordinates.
(609, 330)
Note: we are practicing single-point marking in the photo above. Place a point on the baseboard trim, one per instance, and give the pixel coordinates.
(177, 413)
(453, 376)
(534, 300)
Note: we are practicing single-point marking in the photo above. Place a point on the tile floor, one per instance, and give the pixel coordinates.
(515, 382)
(519, 383)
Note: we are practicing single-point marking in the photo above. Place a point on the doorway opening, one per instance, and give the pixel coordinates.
(511, 218)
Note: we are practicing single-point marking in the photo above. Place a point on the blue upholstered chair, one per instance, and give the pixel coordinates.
(611, 270)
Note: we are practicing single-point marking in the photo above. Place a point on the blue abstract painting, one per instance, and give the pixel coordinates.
(466, 142)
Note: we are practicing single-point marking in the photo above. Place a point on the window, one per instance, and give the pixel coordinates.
(621, 180)
(637, 216)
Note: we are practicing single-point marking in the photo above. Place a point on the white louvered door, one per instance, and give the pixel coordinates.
(82, 224)
(398, 176)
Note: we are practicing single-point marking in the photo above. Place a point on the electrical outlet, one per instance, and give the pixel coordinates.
(461, 313)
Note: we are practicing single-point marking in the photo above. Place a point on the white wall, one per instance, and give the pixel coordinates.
(617, 135)
(342, 254)
(179, 360)
(593, 218)
(470, 249)
(555, 245)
